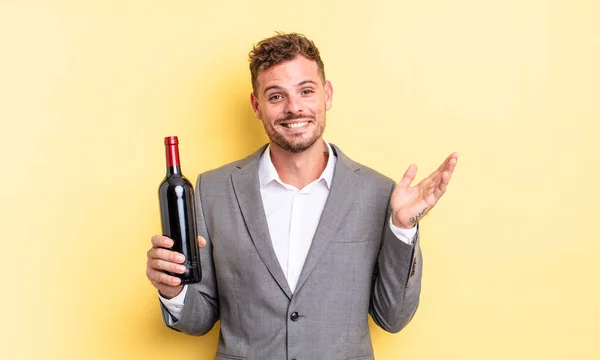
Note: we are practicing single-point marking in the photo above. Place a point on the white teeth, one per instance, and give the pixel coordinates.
(296, 125)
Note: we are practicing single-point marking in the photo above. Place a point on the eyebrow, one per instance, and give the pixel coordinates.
(280, 87)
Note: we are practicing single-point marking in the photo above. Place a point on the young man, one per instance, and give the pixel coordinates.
(299, 243)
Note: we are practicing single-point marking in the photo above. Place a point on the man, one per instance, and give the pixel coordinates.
(299, 243)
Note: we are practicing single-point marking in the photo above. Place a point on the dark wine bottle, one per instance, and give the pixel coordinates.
(178, 213)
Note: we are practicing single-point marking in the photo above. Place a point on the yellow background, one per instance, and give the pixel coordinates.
(88, 90)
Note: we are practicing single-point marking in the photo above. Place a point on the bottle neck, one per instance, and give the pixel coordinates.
(173, 170)
(172, 153)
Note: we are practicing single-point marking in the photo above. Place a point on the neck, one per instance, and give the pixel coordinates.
(302, 168)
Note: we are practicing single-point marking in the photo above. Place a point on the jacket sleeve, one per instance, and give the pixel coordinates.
(201, 306)
(396, 281)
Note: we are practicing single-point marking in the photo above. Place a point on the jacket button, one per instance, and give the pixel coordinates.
(294, 316)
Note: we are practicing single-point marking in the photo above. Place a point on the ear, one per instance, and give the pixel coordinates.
(255, 106)
(328, 95)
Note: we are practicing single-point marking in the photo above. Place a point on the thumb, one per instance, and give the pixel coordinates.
(201, 241)
(408, 176)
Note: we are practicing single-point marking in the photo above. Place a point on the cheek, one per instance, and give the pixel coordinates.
(267, 120)
(270, 114)
(316, 106)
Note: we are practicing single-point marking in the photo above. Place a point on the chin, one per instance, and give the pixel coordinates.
(299, 147)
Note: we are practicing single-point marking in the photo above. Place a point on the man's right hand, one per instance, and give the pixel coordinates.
(160, 259)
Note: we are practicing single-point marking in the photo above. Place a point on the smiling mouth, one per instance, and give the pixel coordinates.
(296, 125)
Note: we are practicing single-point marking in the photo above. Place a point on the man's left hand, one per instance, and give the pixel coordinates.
(411, 203)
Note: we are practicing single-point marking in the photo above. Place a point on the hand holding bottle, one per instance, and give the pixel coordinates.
(161, 259)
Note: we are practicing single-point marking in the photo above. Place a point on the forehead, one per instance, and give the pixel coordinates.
(289, 73)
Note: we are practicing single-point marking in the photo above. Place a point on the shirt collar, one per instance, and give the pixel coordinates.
(267, 172)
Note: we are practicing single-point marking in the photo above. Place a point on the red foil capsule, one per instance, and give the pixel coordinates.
(172, 149)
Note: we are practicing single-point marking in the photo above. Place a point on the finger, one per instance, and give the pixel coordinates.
(443, 167)
(443, 179)
(438, 192)
(159, 277)
(158, 264)
(452, 163)
(201, 242)
(162, 241)
(440, 168)
(447, 175)
(435, 181)
(427, 185)
(408, 176)
(167, 255)
(442, 186)
(452, 158)
(444, 183)
(156, 276)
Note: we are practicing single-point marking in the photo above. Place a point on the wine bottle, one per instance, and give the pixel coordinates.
(178, 213)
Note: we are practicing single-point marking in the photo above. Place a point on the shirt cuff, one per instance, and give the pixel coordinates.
(174, 306)
(404, 235)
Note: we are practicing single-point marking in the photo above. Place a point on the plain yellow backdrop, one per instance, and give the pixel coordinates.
(89, 89)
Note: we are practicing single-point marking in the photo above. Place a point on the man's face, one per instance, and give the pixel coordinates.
(291, 101)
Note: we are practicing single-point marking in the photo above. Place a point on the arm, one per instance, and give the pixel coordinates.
(396, 281)
(397, 276)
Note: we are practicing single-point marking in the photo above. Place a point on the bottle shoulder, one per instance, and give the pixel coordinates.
(174, 181)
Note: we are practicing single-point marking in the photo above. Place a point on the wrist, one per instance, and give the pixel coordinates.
(170, 293)
(402, 225)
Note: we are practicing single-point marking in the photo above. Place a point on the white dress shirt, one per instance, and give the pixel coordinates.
(292, 216)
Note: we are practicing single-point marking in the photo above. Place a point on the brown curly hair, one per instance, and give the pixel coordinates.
(279, 49)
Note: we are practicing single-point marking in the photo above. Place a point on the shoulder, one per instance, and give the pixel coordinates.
(224, 172)
(369, 177)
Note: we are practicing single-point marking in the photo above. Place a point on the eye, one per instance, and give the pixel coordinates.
(307, 91)
(275, 97)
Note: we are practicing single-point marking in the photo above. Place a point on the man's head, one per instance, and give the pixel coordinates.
(290, 94)
(281, 48)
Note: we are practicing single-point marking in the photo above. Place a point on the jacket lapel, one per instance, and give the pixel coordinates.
(340, 199)
(247, 191)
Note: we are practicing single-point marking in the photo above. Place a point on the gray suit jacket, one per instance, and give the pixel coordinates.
(355, 266)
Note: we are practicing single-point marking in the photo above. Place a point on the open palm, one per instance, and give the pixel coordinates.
(410, 203)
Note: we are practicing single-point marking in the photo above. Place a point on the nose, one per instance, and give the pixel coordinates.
(294, 105)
